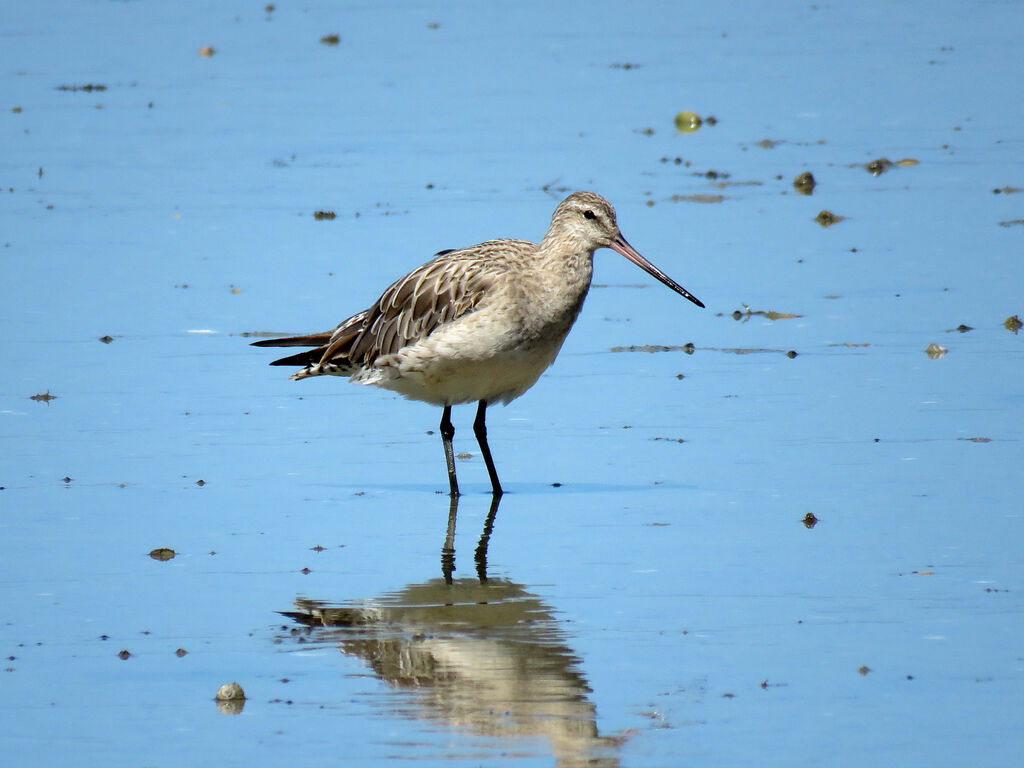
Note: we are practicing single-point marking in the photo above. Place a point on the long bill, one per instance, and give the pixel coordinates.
(619, 245)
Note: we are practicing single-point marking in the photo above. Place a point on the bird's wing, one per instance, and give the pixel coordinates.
(452, 284)
(449, 286)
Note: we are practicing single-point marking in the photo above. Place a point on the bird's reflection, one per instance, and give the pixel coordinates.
(478, 654)
(480, 555)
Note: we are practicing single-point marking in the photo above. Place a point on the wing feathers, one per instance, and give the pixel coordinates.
(451, 285)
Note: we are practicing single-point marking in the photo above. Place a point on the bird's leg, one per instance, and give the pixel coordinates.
(447, 433)
(480, 430)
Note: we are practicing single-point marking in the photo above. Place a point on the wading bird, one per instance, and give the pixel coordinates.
(477, 324)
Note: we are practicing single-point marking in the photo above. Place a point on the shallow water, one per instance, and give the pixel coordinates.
(651, 594)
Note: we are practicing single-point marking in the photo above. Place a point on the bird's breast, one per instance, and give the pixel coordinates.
(548, 302)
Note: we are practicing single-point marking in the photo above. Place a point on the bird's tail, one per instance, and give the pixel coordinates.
(307, 340)
(308, 358)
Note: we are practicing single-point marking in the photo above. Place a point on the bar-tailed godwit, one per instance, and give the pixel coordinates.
(477, 324)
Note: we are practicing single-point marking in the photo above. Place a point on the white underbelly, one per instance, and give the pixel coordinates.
(470, 361)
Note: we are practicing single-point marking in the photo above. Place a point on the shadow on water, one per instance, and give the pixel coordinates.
(481, 655)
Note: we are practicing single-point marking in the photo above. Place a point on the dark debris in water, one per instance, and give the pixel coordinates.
(324, 215)
(747, 313)
(706, 197)
(87, 88)
(555, 186)
(826, 218)
(882, 164)
(1007, 190)
(712, 175)
(809, 520)
(879, 166)
(804, 183)
(976, 439)
(1011, 223)
(657, 719)
(106, 339)
(43, 397)
(688, 348)
(725, 184)
(790, 353)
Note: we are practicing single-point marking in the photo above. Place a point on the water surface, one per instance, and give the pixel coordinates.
(650, 593)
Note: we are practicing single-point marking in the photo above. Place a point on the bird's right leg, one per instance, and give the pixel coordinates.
(447, 433)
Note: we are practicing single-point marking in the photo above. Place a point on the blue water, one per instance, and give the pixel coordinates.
(667, 602)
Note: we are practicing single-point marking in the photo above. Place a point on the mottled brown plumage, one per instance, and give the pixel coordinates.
(477, 324)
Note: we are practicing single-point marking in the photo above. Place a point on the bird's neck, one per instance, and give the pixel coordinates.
(570, 257)
(563, 274)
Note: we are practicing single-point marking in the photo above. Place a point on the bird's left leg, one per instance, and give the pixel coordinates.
(480, 430)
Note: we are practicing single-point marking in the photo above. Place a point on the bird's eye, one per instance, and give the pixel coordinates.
(589, 215)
